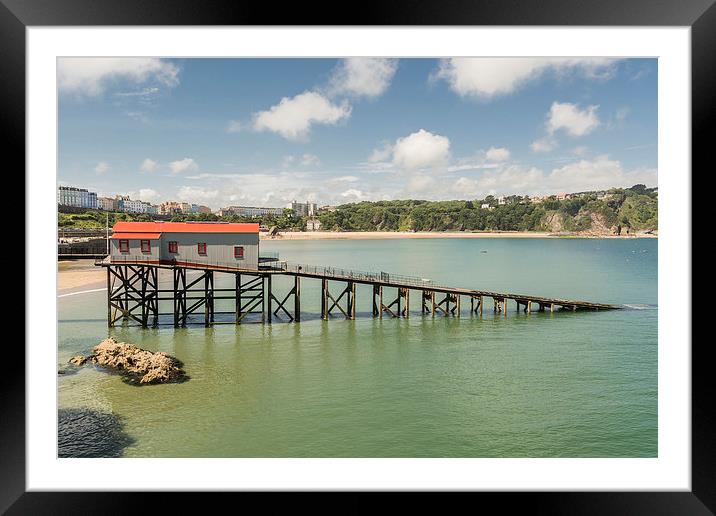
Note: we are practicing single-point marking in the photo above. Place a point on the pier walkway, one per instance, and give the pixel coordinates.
(134, 293)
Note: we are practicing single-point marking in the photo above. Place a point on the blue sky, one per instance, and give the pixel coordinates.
(267, 131)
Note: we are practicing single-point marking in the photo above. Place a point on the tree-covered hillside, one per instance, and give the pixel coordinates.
(609, 211)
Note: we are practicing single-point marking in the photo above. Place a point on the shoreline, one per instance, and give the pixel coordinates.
(385, 235)
(80, 274)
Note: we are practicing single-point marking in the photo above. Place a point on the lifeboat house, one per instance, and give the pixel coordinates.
(218, 244)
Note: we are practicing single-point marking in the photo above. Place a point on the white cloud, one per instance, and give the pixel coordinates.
(310, 160)
(90, 75)
(485, 77)
(196, 194)
(353, 194)
(234, 126)
(573, 120)
(293, 117)
(305, 160)
(420, 183)
(382, 153)
(497, 154)
(345, 179)
(183, 165)
(102, 167)
(148, 165)
(545, 144)
(363, 76)
(148, 195)
(599, 173)
(583, 175)
(421, 150)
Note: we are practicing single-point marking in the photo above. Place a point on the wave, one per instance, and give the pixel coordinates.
(82, 292)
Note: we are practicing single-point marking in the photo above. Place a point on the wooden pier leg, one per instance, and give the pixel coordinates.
(551, 307)
(529, 307)
(480, 305)
(432, 298)
(110, 322)
(206, 298)
(458, 305)
(381, 301)
(269, 313)
(263, 299)
(237, 318)
(504, 306)
(376, 311)
(297, 299)
(324, 299)
(407, 303)
(472, 305)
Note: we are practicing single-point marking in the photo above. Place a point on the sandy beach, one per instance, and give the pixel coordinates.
(75, 275)
(379, 235)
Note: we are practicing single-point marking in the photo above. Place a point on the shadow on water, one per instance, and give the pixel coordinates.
(89, 433)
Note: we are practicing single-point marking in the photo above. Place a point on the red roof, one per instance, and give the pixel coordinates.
(183, 227)
(144, 236)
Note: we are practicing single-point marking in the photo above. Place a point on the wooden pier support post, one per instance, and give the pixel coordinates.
(110, 321)
(297, 299)
(381, 301)
(324, 299)
(376, 292)
(458, 304)
(237, 318)
(270, 298)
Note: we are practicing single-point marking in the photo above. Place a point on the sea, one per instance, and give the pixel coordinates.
(543, 384)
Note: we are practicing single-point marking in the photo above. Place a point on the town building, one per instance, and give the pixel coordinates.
(303, 209)
(561, 196)
(77, 197)
(219, 244)
(169, 208)
(313, 225)
(250, 211)
(107, 204)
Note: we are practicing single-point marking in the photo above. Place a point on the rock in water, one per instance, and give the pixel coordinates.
(130, 360)
(78, 360)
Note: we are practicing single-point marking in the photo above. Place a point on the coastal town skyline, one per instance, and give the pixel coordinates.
(265, 132)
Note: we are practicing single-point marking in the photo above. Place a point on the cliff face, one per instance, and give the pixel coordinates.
(553, 222)
(585, 222)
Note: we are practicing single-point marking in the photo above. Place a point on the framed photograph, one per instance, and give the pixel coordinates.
(437, 249)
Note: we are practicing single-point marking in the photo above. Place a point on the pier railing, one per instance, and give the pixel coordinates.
(350, 274)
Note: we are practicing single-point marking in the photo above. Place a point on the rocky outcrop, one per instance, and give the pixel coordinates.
(554, 222)
(146, 367)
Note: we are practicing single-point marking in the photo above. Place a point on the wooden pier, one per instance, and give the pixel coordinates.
(134, 294)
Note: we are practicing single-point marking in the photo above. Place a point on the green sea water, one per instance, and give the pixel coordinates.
(565, 384)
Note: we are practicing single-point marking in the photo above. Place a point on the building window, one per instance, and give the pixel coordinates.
(173, 247)
(124, 246)
(239, 252)
(145, 246)
(201, 248)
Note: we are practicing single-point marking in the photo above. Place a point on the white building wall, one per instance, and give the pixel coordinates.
(135, 251)
(219, 248)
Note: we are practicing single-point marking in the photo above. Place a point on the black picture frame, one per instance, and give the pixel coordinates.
(700, 15)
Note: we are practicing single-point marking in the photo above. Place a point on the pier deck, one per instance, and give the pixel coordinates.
(134, 293)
